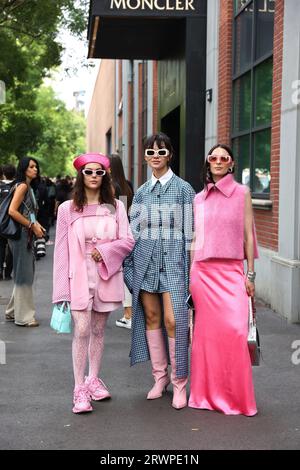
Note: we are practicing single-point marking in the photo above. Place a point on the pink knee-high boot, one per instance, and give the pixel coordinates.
(159, 361)
(179, 385)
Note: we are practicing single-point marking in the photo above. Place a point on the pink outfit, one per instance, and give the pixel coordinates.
(179, 385)
(97, 388)
(82, 399)
(88, 343)
(219, 221)
(159, 361)
(94, 289)
(85, 158)
(221, 373)
(94, 231)
(70, 273)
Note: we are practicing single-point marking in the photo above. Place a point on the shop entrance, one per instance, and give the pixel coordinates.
(176, 39)
(170, 125)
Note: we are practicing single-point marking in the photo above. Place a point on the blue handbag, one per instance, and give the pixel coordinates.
(61, 318)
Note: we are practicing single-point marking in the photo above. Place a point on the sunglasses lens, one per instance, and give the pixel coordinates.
(221, 158)
(149, 152)
(162, 152)
(92, 172)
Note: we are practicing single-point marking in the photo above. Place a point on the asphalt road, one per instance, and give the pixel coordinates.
(36, 386)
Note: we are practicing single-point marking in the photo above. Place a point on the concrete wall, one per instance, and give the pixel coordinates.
(101, 115)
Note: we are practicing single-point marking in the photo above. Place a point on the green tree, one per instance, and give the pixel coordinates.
(62, 136)
(29, 49)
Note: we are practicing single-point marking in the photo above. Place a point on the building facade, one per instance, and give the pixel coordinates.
(242, 91)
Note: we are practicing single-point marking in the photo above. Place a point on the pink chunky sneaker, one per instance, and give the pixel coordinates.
(82, 400)
(97, 388)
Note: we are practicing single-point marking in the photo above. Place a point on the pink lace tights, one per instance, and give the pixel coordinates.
(88, 342)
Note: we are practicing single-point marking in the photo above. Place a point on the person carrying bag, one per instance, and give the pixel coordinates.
(92, 239)
(22, 210)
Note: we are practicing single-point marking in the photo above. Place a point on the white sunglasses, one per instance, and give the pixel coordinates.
(89, 172)
(150, 153)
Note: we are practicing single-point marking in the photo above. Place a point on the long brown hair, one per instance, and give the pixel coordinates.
(207, 176)
(119, 181)
(106, 195)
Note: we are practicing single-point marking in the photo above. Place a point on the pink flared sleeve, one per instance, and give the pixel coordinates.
(114, 252)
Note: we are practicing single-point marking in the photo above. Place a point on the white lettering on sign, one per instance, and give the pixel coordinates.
(169, 5)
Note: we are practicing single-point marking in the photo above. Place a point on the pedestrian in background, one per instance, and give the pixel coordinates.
(221, 373)
(157, 271)
(63, 192)
(23, 209)
(92, 239)
(43, 205)
(122, 188)
(51, 189)
(6, 259)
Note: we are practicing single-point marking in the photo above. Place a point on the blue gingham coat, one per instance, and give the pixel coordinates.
(172, 214)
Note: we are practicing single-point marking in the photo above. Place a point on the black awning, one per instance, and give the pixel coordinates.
(140, 29)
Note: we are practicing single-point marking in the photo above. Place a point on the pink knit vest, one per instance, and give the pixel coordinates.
(219, 221)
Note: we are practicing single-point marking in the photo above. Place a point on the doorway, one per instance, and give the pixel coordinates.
(170, 125)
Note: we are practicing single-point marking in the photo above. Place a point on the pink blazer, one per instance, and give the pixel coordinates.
(70, 281)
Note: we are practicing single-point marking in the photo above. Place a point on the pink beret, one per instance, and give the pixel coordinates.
(85, 158)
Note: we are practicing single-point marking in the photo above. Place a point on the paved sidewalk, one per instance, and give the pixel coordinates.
(36, 392)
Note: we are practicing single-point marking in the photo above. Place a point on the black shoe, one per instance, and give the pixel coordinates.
(8, 278)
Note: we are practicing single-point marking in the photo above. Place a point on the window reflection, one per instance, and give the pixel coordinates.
(262, 150)
(252, 92)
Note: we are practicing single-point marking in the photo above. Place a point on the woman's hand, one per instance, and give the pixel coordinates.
(38, 230)
(96, 255)
(250, 287)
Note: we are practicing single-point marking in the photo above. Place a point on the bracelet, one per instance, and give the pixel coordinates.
(251, 275)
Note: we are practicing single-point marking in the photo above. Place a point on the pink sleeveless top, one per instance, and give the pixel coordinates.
(219, 214)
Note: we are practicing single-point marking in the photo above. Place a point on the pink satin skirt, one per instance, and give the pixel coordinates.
(221, 371)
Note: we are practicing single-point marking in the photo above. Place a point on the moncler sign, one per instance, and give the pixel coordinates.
(152, 5)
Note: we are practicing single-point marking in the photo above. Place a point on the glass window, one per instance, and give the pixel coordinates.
(262, 151)
(263, 76)
(241, 152)
(242, 103)
(264, 27)
(252, 93)
(243, 41)
(239, 4)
